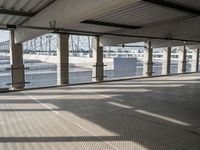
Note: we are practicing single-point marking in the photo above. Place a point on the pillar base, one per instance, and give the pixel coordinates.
(98, 73)
(18, 81)
(62, 74)
(148, 69)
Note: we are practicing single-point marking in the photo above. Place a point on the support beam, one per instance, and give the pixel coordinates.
(91, 33)
(17, 66)
(98, 70)
(161, 30)
(195, 60)
(109, 24)
(166, 61)
(182, 59)
(47, 4)
(174, 6)
(16, 13)
(148, 60)
(63, 59)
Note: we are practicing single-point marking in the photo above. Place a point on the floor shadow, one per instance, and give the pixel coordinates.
(162, 118)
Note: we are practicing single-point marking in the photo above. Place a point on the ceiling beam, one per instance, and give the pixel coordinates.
(42, 8)
(108, 24)
(16, 13)
(124, 45)
(173, 5)
(46, 5)
(90, 33)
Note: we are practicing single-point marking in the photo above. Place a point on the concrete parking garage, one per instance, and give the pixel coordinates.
(155, 113)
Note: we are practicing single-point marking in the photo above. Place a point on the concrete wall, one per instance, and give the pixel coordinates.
(124, 66)
(79, 61)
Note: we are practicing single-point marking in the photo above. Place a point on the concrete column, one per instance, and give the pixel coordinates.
(98, 69)
(17, 66)
(148, 60)
(195, 60)
(166, 61)
(62, 59)
(182, 59)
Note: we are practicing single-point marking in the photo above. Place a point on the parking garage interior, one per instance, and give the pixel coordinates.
(95, 75)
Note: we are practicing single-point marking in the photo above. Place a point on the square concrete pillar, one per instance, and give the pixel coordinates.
(182, 59)
(17, 66)
(166, 61)
(98, 68)
(62, 59)
(148, 60)
(195, 60)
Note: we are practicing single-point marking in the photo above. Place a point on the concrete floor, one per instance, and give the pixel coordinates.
(157, 114)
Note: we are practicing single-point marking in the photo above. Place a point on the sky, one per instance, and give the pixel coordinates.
(4, 35)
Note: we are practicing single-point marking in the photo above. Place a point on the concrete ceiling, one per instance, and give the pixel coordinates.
(152, 18)
(19, 11)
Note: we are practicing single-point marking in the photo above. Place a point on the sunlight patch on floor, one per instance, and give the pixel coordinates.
(119, 105)
(163, 118)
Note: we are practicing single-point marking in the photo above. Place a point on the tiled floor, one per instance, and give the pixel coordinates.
(157, 114)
